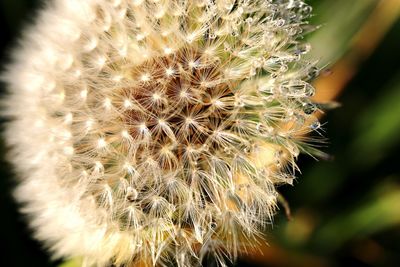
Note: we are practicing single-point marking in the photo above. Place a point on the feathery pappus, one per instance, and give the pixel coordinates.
(158, 130)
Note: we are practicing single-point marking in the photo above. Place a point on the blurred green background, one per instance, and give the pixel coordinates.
(346, 210)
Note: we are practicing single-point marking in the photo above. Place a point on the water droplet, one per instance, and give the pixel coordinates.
(292, 31)
(280, 22)
(300, 120)
(278, 154)
(252, 72)
(249, 21)
(227, 150)
(302, 49)
(228, 6)
(294, 150)
(283, 68)
(309, 108)
(269, 98)
(263, 172)
(258, 62)
(131, 194)
(240, 103)
(306, 10)
(313, 72)
(315, 125)
(212, 36)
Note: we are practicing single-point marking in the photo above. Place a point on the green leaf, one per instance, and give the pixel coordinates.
(376, 214)
(77, 262)
(340, 20)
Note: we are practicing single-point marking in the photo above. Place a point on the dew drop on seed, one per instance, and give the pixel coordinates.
(252, 72)
(263, 173)
(294, 150)
(313, 72)
(228, 6)
(302, 49)
(269, 98)
(249, 21)
(315, 125)
(309, 91)
(293, 31)
(280, 22)
(258, 126)
(131, 194)
(307, 10)
(309, 108)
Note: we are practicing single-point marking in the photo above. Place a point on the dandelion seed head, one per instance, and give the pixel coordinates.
(161, 128)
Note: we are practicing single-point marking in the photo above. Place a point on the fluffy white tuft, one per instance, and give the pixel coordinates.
(157, 130)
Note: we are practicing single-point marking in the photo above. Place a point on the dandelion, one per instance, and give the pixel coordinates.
(158, 130)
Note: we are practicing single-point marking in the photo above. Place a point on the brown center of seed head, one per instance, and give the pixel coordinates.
(180, 101)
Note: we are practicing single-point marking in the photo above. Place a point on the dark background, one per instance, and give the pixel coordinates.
(345, 211)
